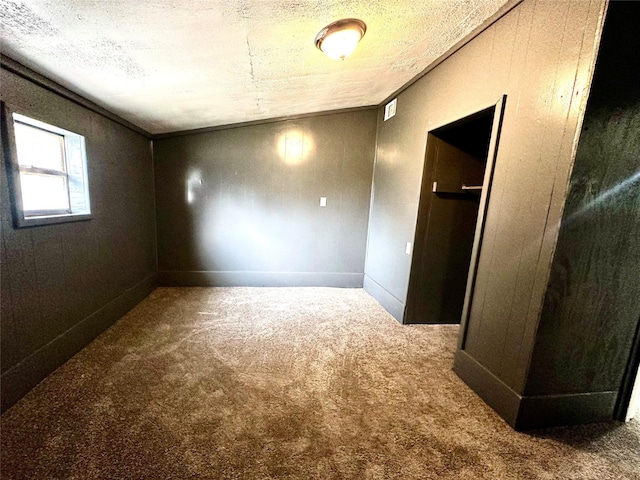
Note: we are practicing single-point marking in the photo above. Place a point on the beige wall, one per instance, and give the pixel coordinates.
(540, 55)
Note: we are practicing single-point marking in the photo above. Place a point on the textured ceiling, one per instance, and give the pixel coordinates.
(169, 65)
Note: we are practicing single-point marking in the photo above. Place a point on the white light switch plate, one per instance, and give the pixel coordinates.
(407, 250)
(323, 201)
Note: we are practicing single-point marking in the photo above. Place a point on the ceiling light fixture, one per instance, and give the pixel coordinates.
(339, 39)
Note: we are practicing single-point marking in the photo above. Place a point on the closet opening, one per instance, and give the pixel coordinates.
(455, 173)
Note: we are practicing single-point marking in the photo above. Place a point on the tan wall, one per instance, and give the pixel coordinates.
(540, 55)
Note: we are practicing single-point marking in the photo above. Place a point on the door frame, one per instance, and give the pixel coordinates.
(496, 130)
(424, 203)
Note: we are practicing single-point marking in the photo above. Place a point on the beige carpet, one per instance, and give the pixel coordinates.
(281, 383)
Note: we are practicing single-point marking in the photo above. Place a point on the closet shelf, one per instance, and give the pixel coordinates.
(456, 188)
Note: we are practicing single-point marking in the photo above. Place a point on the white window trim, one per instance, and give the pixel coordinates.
(13, 171)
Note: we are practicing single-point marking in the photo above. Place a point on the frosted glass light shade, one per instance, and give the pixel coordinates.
(339, 39)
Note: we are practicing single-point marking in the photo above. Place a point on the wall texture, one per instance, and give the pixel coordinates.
(241, 206)
(540, 55)
(64, 284)
(592, 306)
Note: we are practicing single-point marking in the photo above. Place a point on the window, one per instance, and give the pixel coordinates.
(48, 172)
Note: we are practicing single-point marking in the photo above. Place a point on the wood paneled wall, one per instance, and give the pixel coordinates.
(541, 55)
(592, 306)
(64, 284)
(241, 206)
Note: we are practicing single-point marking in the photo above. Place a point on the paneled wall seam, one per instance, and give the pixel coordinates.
(373, 182)
(555, 230)
(502, 374)
(155, 208)
(503, 214)
(490, 240)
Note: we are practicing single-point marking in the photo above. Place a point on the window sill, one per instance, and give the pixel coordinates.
(50, 220)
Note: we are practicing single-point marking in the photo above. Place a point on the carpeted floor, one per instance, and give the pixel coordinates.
(283, 383)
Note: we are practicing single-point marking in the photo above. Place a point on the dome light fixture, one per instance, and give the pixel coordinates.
(339, 39)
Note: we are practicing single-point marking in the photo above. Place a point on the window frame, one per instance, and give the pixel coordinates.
(31, 218)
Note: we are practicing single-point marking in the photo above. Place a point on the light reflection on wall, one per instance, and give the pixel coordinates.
(387, 155)
(295, 146)
(627, 187)
(243, 236)
(193, 183)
